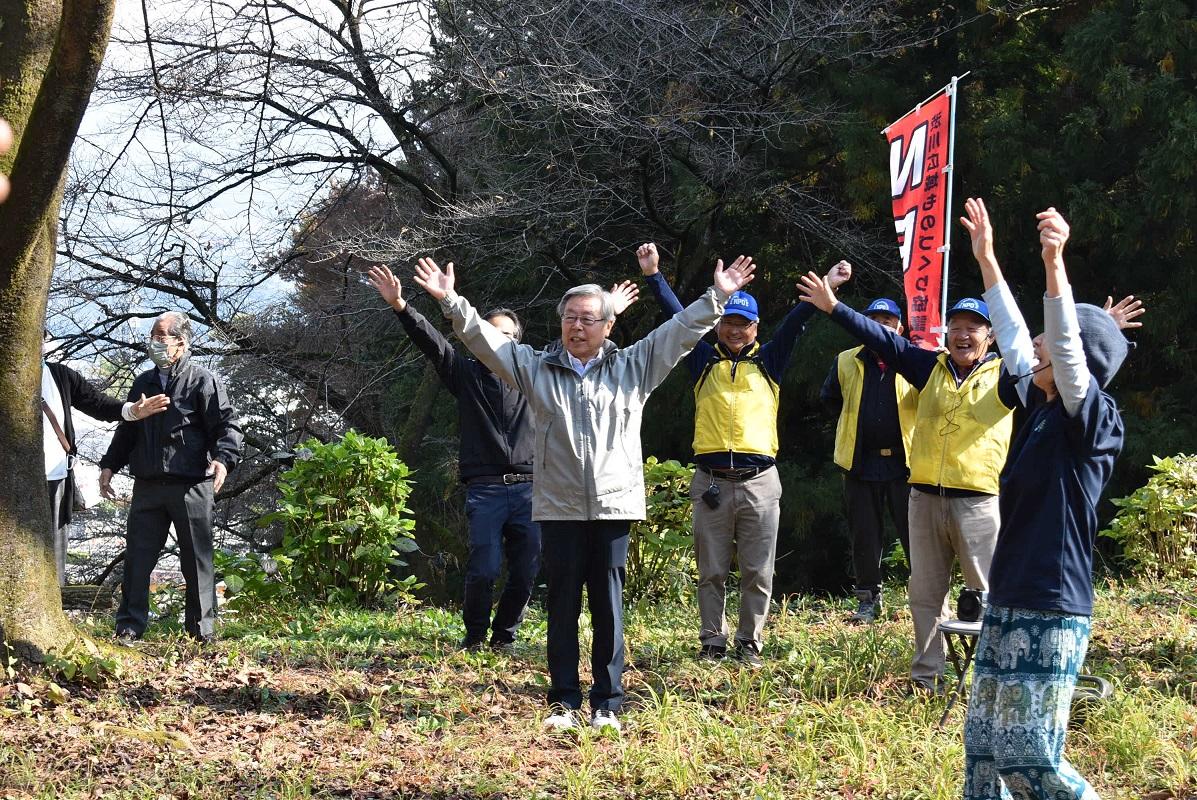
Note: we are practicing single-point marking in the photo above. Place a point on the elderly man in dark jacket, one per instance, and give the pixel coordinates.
(179, 460)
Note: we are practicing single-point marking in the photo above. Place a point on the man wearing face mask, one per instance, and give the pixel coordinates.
(64, 389)
(179, 460)
(736, 492)
(876, 408)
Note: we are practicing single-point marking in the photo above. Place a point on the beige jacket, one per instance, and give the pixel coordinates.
(588, 463)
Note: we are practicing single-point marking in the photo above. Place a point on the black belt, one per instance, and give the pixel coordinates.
(734, 473)
(506, 480)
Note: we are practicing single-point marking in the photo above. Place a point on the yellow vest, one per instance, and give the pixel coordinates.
(851, 375)
(961, 434)
(735, 406)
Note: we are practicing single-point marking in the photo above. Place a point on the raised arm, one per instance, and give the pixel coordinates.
(1009, 328)
(510, 361)
(912, 362)
(1061, 330)
(649, 260)
(427, 339)
(656, 354)
(777, 352)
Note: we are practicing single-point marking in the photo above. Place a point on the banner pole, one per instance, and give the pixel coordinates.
(947, 240)
(928, 99)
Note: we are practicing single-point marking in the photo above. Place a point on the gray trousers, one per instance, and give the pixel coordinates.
(744, 525)
(942, 531)
(157, 505)
(57, 491)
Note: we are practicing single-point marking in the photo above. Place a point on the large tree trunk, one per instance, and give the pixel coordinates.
(50, 53)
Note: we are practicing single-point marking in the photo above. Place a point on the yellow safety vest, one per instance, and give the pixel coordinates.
(735, 406)
(851, 374)
(962, 433)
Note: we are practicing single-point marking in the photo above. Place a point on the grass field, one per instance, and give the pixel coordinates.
(345, 703)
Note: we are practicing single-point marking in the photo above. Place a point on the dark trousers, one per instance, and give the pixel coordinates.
(592, 554)
(500, 524)
(156, 505)
(867, 502)
(57, 490)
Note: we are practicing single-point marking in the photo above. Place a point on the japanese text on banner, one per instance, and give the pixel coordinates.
(918, 154)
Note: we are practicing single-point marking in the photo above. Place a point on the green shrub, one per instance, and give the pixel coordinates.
(661, 549)
(1156, 526)
(346, 522)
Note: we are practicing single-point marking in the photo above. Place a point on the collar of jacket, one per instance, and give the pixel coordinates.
(745, 352)
(555, 353)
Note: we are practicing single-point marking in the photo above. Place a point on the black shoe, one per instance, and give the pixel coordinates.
(868, 607)
(502, 648)
(469, 645)
(128, 637)
(712, 652)
(748, 655)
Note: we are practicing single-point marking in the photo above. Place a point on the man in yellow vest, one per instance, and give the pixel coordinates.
(876, 408)
(736, 493)
(961, 437)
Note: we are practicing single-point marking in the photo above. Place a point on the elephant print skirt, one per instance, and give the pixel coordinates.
(1026, 667)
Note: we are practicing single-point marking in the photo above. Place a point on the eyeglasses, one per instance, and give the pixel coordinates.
(589, 322)
(163, 338)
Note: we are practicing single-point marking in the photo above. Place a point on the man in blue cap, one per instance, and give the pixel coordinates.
(876, 408)
(736, 491)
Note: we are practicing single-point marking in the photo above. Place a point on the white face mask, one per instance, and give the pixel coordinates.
(160, 354)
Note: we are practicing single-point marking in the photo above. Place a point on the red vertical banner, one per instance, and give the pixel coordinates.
(919, 154)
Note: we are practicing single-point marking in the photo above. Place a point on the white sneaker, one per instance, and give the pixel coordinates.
(562, 719)
(603, 719)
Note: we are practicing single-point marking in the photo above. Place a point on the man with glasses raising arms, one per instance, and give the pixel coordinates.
(587, 398)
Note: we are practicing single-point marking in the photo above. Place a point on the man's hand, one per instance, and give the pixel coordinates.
(387, 285)
(623, 295)
(840, 274)
(149, 406)
(1124, 311)
(817, 291)
(432, 280)
(106, 485)
(646, 254)
(219, 472)
(5, 145)
(735, 277)
(1053, 234)
(979, 228)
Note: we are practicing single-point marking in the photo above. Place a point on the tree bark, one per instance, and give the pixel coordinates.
(50, 54)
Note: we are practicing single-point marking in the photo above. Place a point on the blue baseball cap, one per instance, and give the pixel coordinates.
(973, 306)
(742, 304)
(883, 305)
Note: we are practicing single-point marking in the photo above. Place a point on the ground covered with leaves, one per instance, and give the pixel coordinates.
(331, 703)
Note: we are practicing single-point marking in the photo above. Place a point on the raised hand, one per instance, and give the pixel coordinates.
(1124, 311)
(980, 229)
(735, 277)
(649, 260)
(1053, 234)
(387, 285)
(817, 291)
(839, 274)
(432, 280)
(623, 295)
(219, 472)
(149, 406)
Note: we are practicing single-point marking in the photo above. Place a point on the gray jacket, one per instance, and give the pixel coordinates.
(587, 442)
